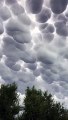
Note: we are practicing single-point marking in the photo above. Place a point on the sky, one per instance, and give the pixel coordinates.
(34, 45)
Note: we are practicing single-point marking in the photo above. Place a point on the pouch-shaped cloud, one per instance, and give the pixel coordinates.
(16, 67)
(49, 28)
(31, 66)
(44, 15)
(46, 56)
(22, 37)
(17, 9)
(14, 25)
(34, 6)
(58, 6)
(25, 19)
(61, 28)
(34, 44)
(5, 13)
(62, 17)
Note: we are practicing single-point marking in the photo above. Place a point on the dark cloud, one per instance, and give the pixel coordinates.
(58, 6)
(61, 28)
(34, 6)
(1, 28)
(62, 17)
(34, 45)
(44, 15)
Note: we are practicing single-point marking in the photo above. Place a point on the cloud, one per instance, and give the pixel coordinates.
(10, 2)
(4, 13)
(61, 28)
(34, 45)
(58, 6)
(44, 15)
(1, 28)
(17, 9)
(34, 6)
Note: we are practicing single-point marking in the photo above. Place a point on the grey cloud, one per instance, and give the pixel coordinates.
(25, 76)
(18, 31)
(28, 57)
(46, 56)
(5, 13)
(48, 37)
(10, 50)
(47, 31)
(14, 26)
(58, 6)
(49, 28)
(24, 19)
(20, 46)
(61, 28)
(33, 52)
(8, 41)
(16, 67)
(36, 72)
(62, 17)
(43, 26)
(11, 63)
(44, 15)
(17, 9)
(6, 73)
(31, 66)
(10, 2)
(1, 2)
(1, 28)
(34, 6)
(22, 37)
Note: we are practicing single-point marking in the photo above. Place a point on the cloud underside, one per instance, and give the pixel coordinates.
(34, 45)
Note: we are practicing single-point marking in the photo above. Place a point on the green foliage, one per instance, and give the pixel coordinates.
(41, 106)
(9, 105)
(38, 105)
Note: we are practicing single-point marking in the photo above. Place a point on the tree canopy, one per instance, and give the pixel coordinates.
(41, 106)
(38, 105)
(9, 104)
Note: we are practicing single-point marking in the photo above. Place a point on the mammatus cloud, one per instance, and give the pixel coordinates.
(34, 45)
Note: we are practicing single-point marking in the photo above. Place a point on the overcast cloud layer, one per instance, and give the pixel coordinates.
(34, 45)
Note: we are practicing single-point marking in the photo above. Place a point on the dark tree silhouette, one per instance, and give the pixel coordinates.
(38, 105)
(9, 105)
(41, 106)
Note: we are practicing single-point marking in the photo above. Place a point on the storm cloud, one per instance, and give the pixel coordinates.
(34, 45)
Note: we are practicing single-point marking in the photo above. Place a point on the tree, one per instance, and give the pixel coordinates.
(41, 106)
(9, 105)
